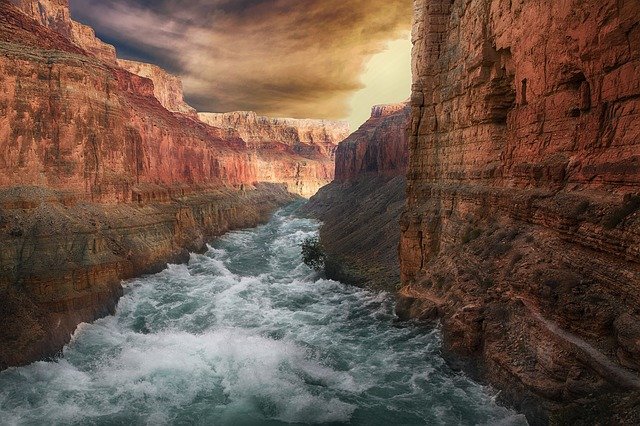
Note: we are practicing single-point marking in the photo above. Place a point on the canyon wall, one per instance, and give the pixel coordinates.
(55, 14)
(379, 146)
(167, 88)
(522, 226)
(106, 174)
(299, 152)
(360, 209)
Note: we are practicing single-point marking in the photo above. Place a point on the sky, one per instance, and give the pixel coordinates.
(330, 59)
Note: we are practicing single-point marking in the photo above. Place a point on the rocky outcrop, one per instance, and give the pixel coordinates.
(297, 152)
(85, 37)
(167, 88)
(54, 14)
(521, 230)
(361, 208)
(99, 181)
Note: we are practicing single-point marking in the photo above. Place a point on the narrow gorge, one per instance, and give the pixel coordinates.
(521, 229)
(361, 208)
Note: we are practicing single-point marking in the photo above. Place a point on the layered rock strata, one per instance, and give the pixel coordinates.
(299, 152)
(167, 88)
(361, 208)
(62, 261)
(54, 14)
(522, 226)
(103, 175)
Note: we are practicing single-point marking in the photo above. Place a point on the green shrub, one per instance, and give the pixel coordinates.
(313, 254)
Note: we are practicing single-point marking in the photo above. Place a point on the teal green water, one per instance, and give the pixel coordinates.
(246, 334)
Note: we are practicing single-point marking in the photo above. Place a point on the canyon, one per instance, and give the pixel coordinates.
(501, 203)
(107, 173)
(521, 232)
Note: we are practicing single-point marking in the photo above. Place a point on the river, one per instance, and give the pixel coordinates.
(246, 334)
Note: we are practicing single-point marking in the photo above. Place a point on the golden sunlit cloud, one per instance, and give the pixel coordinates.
(292, 58)
(387, 79)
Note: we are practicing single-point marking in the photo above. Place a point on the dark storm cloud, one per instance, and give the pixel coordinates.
(278, 57)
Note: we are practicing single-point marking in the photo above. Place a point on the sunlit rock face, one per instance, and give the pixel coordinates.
(523, 198)
(167, 88)
(361, 208)
(299, 152)
(55, 15)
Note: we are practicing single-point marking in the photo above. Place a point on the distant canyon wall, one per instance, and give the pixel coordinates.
(379, 146)
(309, 145)
(522, 226)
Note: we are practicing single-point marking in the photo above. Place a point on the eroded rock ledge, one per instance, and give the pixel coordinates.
(63, 260)
(522, 226)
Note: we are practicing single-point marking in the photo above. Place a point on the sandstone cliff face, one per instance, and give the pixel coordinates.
(522, 226)
(167, 88)
(54, 14)
(297, 152)
(361, 208)
(70, 122)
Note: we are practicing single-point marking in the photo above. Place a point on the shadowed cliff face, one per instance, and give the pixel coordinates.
(523, 203)
(361, 209)
(106, 174)
(379, 146)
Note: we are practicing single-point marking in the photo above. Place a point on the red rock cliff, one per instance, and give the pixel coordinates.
(379, 146)
(522, 226)
(298, 152)
(167, 88)
(55, 15)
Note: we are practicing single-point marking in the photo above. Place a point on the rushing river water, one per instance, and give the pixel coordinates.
(246, 334)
